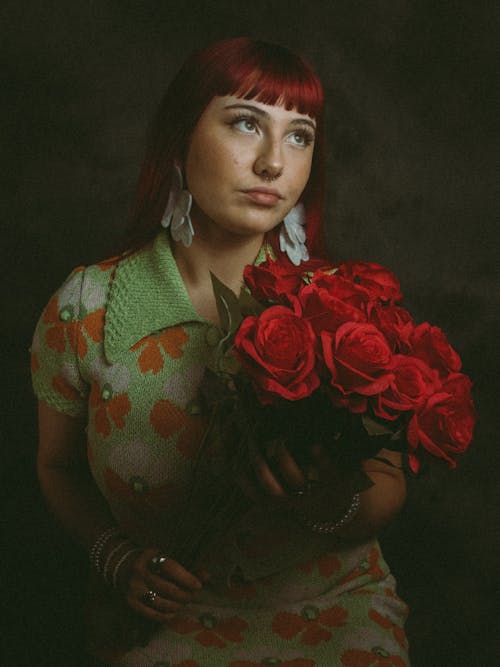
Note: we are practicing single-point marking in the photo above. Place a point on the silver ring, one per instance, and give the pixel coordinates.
(156, 563)
(149, 598)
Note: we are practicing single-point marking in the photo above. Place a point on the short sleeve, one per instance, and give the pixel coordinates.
(56, 351)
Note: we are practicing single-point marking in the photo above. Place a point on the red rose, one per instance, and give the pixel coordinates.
(271, 280)
(412, 382)
(430, 344)
(442, 426)
(275, 280)
(395, 323)
(459, 385)
(277, 350)
(379, 281)
(331, 300)
(358, 358)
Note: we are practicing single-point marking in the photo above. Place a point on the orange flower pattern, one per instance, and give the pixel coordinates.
(63, 387)
(69, 324)
(377, 657)
(110, 408)
(368, 567)
(171, 341)
(62, 329)
(311, 626)
(35, 364)
(327, 565)
(170, 421)
(137, 392)
(210, 631)
(387, 624)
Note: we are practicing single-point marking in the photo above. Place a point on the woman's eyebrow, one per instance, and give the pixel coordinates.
(264, 114)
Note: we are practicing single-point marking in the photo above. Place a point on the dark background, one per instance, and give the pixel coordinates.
(412, 135)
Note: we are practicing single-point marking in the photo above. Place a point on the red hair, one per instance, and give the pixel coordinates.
(247, 68)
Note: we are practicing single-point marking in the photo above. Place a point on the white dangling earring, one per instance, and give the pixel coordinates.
(177, 211)
(293, 235)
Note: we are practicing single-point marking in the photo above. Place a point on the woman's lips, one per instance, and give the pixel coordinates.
(265, 197)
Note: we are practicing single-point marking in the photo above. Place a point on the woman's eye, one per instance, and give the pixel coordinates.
(247, 125)
(301, 138)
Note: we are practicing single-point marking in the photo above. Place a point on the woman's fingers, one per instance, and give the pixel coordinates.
(158, 586)
(288, 470)
(172, 580)
(175, 572)
(202, 573)
(283, 477)
(149, 604)
(278, 476)
(266, 478)
(168, 589)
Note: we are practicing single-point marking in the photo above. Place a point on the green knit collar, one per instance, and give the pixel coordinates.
(147, 294)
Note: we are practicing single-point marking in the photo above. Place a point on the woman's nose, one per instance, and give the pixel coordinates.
(269, 162)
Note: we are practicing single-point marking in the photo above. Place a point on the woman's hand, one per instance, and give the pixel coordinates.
(157, 587)
(276, 477)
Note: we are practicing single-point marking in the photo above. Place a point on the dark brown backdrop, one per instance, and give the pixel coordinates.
(411, 130)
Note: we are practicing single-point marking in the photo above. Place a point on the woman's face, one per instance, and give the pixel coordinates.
(247, 164)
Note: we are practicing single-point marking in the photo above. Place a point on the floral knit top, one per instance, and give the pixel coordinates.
(121, 346)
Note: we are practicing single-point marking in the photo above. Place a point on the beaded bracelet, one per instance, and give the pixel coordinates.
(120, 563)
(329, 527)
(113, 553)
(98, 546)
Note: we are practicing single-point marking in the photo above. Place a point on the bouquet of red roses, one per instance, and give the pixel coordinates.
(327, 354)
(316, 355)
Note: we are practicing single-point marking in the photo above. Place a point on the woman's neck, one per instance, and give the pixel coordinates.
(217, 252)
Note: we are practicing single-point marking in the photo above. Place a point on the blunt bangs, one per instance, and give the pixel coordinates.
(267, 73)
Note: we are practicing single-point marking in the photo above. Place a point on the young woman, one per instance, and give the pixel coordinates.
(235, 156)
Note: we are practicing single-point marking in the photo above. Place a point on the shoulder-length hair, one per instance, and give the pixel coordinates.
(247, 68)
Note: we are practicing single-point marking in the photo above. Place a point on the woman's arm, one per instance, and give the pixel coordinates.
(77, 503)
(381, 503)
(65, 478)
(282, 478)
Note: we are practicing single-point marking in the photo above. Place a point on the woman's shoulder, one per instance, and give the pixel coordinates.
(88, 286)
(82, 297)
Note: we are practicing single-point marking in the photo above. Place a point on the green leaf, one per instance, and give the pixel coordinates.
(359, 481)
(227, 305)
(373, 427)
(382, 459)
(249, 304)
